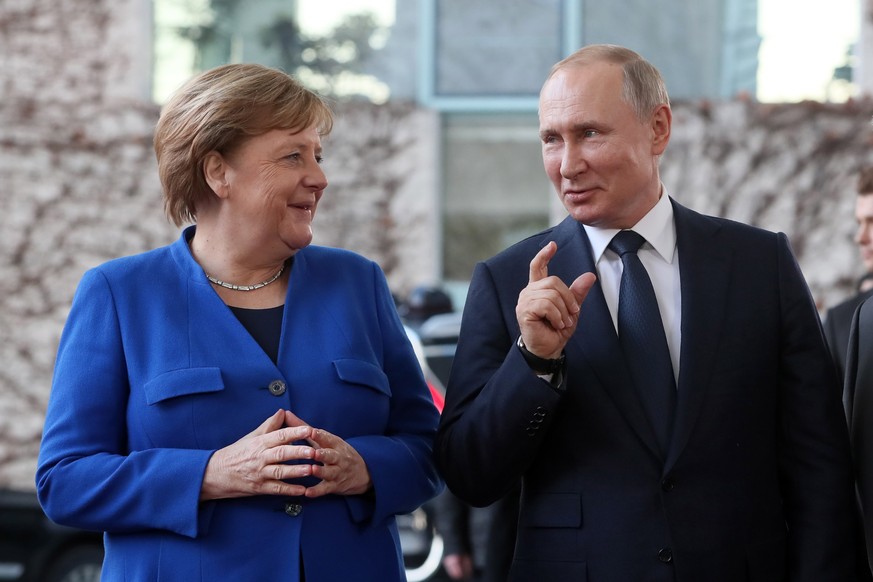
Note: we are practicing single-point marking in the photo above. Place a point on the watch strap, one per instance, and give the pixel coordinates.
(540, 365)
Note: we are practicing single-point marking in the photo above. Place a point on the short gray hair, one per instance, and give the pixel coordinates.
(643, 88)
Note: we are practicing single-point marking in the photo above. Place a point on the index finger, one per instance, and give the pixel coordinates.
(539, 266)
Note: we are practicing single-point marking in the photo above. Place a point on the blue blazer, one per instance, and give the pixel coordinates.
(756, 484)
(154, 373)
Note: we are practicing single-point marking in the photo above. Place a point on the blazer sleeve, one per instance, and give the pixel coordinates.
(86, 476)
(400, 461)
(497, 411)
(815, 462)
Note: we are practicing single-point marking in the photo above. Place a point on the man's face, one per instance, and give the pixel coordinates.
(602, 161)
(864, 235)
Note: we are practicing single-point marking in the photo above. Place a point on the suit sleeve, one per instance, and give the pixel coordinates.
(815, 461)
(86, 476)
(859, 408)
(497, 410)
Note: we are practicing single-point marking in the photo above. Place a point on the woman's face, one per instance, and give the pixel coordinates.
(273, 184)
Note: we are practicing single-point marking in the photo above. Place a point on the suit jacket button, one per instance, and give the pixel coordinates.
(277, 387)
(293, 509)
(668, 484)
(665, 555)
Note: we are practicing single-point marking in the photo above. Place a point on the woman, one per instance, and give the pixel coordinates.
(239, 405)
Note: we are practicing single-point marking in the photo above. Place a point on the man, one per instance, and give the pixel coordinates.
(740, 468)
(839, 318)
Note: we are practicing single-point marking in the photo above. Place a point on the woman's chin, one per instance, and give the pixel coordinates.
(299, 239)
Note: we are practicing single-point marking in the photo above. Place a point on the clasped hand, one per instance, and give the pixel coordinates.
(257, 464)
(548, 310)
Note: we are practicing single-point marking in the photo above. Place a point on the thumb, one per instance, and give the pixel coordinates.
(272, 423)
(582, 285)
(292, 419)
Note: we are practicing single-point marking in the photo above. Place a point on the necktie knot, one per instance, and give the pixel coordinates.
(626, 241)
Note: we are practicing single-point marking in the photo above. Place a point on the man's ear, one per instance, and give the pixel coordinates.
(215, 173)
(662, 120)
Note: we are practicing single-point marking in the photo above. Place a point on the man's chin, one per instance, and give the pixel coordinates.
(584, 214)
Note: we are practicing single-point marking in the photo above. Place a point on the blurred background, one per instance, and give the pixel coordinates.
(434, 162)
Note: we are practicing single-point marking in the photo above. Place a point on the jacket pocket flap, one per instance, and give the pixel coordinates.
(553, 510)
(183, 382)
(363, 373)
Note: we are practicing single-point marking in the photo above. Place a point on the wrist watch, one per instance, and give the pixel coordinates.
(538, 364)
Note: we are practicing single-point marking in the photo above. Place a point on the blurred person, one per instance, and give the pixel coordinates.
(422, 303)
(464, 530)
(865, 283)
(239, 405)
(479, 541)
(838, 319)
(708, 444)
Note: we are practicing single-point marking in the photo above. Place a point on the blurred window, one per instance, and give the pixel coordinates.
(328, 49)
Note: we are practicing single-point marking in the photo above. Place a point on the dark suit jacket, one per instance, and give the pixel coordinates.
(859, 410)
(837, 324)
(757, 482)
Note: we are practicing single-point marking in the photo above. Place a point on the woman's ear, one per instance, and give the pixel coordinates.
(215, 173)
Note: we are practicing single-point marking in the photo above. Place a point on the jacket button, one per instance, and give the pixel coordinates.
(293, 509)
(668, 485)
(277, 387)
(665, 555)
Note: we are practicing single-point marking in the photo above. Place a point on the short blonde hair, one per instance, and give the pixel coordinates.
(643, 89)
(216, 111)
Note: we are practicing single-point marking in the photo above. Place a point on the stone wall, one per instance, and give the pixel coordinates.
(785, 167)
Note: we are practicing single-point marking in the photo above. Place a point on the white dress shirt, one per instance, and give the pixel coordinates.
(659, 256)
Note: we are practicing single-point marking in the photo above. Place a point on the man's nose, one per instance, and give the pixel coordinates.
(573, 161)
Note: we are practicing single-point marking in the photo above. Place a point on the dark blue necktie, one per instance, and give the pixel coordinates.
(642, 338)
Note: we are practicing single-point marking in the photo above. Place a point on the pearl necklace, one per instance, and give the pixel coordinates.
(221, 283)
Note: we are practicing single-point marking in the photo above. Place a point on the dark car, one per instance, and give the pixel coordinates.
(34, 549)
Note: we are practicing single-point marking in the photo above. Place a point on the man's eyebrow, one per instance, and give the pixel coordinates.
(575, 128)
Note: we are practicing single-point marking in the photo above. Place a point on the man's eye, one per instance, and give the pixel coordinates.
(590, 133)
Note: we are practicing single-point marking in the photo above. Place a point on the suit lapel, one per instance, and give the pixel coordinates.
(704, 270)
(595, 342)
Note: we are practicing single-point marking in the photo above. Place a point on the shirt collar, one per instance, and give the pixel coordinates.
(656, 227)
